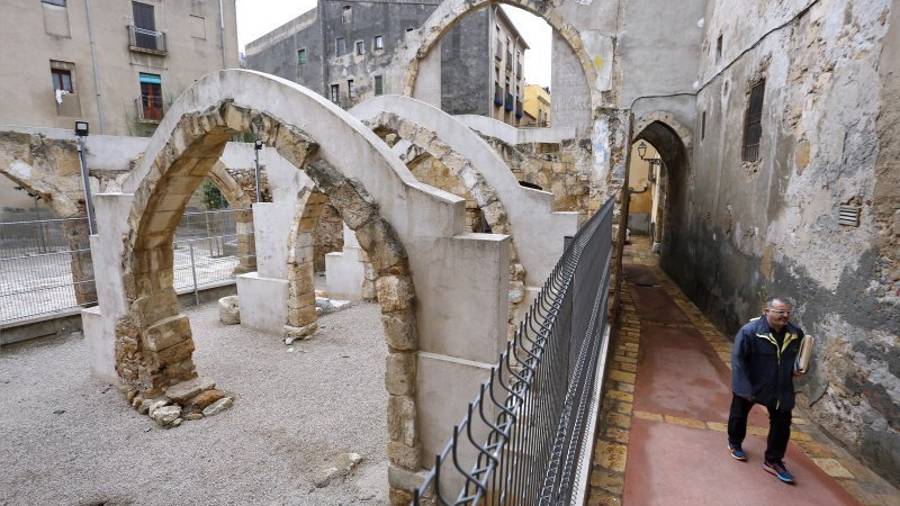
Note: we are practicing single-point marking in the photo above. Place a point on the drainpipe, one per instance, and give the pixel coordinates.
(90, 29)
(222, 31)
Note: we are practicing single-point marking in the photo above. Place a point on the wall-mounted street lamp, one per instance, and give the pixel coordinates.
(653, 161)
(81, 132)
(257, 146)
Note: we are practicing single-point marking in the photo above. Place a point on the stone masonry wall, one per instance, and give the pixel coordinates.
(742, 231)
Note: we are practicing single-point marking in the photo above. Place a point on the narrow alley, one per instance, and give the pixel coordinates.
(661, 439)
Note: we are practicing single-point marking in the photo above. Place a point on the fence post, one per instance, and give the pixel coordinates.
(194, 274)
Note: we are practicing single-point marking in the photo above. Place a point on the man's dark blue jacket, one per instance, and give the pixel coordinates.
(761, 370)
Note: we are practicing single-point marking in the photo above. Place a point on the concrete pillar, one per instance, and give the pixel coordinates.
(345, 271)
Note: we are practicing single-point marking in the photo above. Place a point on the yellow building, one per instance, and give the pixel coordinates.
(536, 106)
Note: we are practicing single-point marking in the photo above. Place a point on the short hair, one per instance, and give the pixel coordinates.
(784, 300)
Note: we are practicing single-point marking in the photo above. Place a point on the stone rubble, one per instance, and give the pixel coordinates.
(229, 310)
(341, 467)
(218, 406)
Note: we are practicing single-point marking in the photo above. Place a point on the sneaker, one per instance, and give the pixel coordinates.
(780, 472)
(737, 453)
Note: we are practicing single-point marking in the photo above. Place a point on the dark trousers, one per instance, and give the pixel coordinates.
(779, 427)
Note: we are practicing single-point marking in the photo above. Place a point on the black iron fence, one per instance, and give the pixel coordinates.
(46, 267)
(525, 436)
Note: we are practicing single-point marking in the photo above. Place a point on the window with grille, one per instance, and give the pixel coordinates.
(753, 122)
(351, 92)
(379, 42)
(335, 93)
(347, 14)
(301, 56)
(360, 48)
(151, 96)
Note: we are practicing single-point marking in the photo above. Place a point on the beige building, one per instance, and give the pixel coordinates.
(536, 106)
(114, 63)
(508, 77)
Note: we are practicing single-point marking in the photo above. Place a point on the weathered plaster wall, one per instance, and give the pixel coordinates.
(742, 231)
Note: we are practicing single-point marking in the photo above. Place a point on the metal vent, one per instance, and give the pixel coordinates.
(848, 216)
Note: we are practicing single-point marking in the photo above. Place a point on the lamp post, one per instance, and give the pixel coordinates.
(653, 161)
(81, 133)
(257, 146)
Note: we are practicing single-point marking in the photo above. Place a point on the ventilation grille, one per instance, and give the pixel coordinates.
(848, 216)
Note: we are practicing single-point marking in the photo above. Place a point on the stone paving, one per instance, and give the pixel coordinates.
(661, 436)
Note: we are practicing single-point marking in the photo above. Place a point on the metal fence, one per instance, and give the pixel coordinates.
(525, 436)
(46, 269)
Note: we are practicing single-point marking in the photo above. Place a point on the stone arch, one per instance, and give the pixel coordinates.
(301, 313)
(152, 340)
(509, 208)
(241, 202)
(672, 141)
(451, 11)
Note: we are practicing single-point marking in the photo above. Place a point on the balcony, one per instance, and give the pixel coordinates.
(142, 40)
(149, 108)
(519, 112)
(518, 71)
(498, 95)
(498, 54)
(510, 103)
(509, 62)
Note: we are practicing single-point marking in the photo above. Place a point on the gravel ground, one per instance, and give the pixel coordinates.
(294, 413)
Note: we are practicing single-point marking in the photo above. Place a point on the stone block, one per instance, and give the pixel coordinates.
(173, 354)
(229, 310)
(404, 479)
(611, 456)
(218, 406)
(203, 399)
(403, 456)
(400, 373)
(186, 389)
(402, 420)
(395, 293)
(400, 330)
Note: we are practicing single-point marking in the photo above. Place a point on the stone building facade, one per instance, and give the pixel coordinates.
(114, 64)
(343, 50)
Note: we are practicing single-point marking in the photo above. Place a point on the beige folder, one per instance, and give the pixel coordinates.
(805, 355)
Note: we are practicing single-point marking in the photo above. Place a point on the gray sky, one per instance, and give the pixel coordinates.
(258, 17)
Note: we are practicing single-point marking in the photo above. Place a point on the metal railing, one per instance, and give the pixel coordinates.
(144, 40)
(46, 267)
(524, 437)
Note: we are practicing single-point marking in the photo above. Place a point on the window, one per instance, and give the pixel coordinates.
(703, 125)
(301, 56)
(347, 14)
(335, 93)
(340, 46)
(351, 93)
(379, 85)
(360, 48)
(151, 96)
(144, 24)
(62, 80)
(379, 42)
(753, 122)
(719, 49)
(61, 3)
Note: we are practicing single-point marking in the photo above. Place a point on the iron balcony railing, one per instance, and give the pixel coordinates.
(509, 104)
(519, 111)
(149, 108)
(146, 41)
(508, 61)
(518, 71)
(526, 438)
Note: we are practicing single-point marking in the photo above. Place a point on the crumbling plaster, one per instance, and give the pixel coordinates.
(742, 231)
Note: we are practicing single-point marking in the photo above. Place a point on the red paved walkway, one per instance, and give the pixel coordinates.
(672, 464)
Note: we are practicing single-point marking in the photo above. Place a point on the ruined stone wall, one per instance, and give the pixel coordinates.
(552, 167)
(432, 171)
(328, 237)
(741, 231)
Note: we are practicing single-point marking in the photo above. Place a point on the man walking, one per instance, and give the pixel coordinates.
(762, 362)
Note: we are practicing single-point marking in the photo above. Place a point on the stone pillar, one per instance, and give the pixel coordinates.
(78, 241)
(246, 247)
(345, 271)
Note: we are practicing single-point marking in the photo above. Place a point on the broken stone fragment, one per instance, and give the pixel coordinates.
(186, 389)
(193, 416)
(299, 333)
(342, 465)
(166, 415)
(150, 405)
(218, 406)
(200, 401)
(229, 310)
